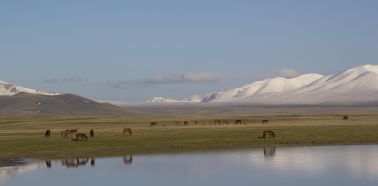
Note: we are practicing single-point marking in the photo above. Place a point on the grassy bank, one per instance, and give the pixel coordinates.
(23, 136)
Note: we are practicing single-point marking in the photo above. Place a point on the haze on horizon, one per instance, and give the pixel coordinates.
(134, 50)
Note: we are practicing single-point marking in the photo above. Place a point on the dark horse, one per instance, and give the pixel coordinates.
(81, 136)
(265, 121)
(186, 123)
(217, 122)
(152, 124)
(345, 117)
(238, 122)
(47, 134)
(127, 131)
(268, 133)
(91, 132)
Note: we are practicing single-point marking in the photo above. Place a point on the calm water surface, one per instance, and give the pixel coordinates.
(331, 165)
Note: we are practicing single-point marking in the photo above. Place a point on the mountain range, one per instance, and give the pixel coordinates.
(358, 85)
(17, 100)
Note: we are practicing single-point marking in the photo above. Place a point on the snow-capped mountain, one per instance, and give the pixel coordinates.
(195, 98)
(358, 85)
(8, 89)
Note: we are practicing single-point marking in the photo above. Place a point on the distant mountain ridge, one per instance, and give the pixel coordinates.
(17, 100)
(63, 104)
(358, 85)
(8, 89)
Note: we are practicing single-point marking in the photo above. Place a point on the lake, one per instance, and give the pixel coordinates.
(317, 165)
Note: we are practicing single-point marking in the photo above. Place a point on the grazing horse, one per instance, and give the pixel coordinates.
(152, 124)
(238, 122)
(268, 133)
(47, 134)
(186, 123)
(81, 136)
(265, 121)
(225, 123)
(127, 131)
(127, 159)
(91, 132)
(345, 117)
(67, 133)
(217, 122)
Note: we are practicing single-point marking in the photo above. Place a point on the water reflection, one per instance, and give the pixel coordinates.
(75, 163)
(269, 152)
(48, 163)
(128, 159)
(82, 162)
(337, 165)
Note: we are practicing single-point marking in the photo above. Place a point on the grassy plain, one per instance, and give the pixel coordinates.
(23, 136)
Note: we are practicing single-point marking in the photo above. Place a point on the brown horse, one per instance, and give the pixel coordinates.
(186, 123)
(70, 133)
(47, 134)
(153, 124)
(345, 117)
(265, 121)
(268, 133)
(81, 136)
(238, 122)
(91, 132)
(127, 131)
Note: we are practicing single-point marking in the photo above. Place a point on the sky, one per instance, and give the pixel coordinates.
(135, 50)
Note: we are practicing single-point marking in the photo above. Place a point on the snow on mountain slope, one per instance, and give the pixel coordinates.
(275, 85)
(7, 89)
(195, 98)
(356, 85)
(162, 100)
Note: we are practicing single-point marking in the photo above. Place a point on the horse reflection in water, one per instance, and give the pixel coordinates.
(269, 152)
(93, 162)
(127, 160)
(75, 163)
(48, 163)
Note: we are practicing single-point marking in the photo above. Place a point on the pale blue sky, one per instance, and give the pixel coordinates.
(133, 50)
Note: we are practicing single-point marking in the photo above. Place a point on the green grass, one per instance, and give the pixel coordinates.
(23, 136)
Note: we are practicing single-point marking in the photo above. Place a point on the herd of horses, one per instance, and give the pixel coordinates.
(128, 131)
(82, 136)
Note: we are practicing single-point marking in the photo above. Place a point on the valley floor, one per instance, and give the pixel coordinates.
(24, 136)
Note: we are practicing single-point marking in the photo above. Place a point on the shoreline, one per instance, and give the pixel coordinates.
(106, 153)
